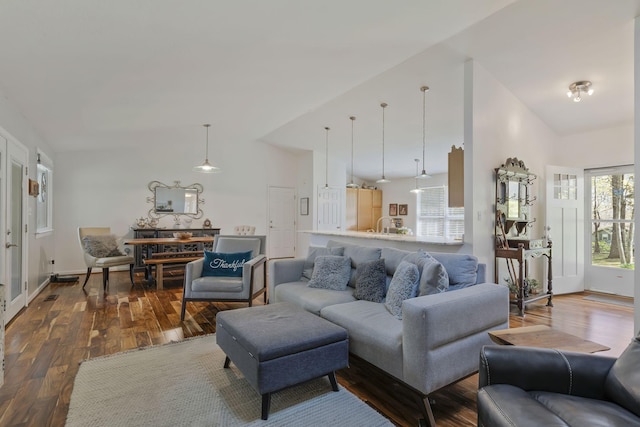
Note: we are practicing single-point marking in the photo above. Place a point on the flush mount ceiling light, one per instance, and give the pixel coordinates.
(326, 157)
(417, 189)
(424, 173)
(351, 184)
(206, 167)
(383, 179)
(577, 89)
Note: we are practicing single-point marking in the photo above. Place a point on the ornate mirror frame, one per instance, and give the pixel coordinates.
(157, 214)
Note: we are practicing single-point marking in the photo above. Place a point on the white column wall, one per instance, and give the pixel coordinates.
(636, 140)
(502, 127)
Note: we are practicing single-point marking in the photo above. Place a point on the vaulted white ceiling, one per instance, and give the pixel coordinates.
(89, 73)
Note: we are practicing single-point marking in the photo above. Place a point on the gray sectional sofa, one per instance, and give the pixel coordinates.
(438, 338)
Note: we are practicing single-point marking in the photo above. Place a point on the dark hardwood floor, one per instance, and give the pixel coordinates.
(64, 325)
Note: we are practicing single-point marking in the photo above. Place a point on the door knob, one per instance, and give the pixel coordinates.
(8, 245)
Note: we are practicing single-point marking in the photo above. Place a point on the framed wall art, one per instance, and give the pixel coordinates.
(393, 209)
(403, 209)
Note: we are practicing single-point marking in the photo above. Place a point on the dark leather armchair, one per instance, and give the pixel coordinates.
(522, 386)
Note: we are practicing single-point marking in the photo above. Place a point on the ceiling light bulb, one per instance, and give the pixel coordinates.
(569, 94)
(577, 99)
(590, 92)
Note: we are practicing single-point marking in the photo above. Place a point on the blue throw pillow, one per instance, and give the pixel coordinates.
(225, 264)
(371, 281)
(404, 285)
(331, 272)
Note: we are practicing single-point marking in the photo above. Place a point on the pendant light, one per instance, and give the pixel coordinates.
(424, 90)
(351, 184)
(416, 190)
(326, 157)
(383, 179)
(207, 167)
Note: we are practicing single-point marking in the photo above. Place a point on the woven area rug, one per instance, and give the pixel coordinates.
(185, 384)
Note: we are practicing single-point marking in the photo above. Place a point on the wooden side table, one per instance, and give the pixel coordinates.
(545, 337)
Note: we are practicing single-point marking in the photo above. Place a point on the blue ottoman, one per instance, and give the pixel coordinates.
(280, 345)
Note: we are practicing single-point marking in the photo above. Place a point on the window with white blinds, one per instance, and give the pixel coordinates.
(435, 219)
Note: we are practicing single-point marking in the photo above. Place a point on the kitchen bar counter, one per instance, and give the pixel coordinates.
(399, 241)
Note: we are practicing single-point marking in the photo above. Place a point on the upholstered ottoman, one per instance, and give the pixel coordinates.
(280, 345)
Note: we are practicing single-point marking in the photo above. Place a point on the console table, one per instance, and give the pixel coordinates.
(142, 251)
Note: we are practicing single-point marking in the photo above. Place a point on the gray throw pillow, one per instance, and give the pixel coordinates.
(371, 281)
(102, 246)
(315, 251)
(433, 276)
(404, 285)
(331, 272)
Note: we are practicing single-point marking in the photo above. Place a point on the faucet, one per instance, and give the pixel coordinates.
(380, 220)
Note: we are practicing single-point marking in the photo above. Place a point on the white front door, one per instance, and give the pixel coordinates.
(330, 208)
(609, 265)
(282, 223)
(14, 234)
(565, 225)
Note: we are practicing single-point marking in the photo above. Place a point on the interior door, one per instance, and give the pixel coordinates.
(282, 223)
(330, 208)
(14, 231)
(565, 225)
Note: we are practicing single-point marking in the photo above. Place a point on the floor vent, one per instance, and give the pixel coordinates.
(51, 297)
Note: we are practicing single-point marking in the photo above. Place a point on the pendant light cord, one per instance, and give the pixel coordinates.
(383, 105)
(326, 167)
(424, 125)
(206, 153)
(352, 118)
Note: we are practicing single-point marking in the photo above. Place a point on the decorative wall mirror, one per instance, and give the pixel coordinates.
(513, 196)
(175, 200)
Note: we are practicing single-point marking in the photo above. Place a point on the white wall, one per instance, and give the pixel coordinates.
(500, 127)
(600, 148)
(636, 140)
(14, 125)
(109, 188)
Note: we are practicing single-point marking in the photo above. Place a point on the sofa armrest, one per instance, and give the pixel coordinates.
(253, 273)
(442, 334)
(284, 271)
(544, 369)
(192, 271)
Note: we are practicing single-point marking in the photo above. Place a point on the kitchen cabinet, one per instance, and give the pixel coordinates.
(456, 177)
(364, 208)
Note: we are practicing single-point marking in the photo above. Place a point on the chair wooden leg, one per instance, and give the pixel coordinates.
(131, 274)
(105, 278)
(86, 279)
(184, 308)
(425, 406)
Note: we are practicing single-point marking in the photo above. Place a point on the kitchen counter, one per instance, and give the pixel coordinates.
(399, 241)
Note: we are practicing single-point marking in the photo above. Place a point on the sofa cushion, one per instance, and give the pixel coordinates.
(392, 258)
(358, 255)
(462, 269)
(433, 276)
(374, 334)
(331, 272)
(622, 384)
(217, 284)
(404, 285)
(102, 246)
(503, 404)
(311, 299)
(224, 264)
(371, 281)
(315, 251)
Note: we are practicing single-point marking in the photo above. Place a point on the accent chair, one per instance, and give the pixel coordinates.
(100, 250)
